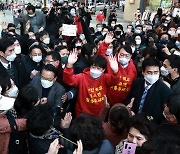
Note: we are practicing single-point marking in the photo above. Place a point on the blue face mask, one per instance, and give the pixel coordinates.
(163, 41)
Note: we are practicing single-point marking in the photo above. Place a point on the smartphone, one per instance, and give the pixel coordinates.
(129, 148)
(68, 144)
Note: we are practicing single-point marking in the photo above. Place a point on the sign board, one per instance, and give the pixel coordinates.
(69, 30)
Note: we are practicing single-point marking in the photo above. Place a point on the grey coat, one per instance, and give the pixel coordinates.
(36, 22)
(55, 94)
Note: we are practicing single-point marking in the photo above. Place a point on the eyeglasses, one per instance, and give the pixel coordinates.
(124, 55)
(44, 78)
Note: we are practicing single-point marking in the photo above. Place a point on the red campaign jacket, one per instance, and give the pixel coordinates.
(119, 92)
(100, 17)
(78, 24)
(91, 92)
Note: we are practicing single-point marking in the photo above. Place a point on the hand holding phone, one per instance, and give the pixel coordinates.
(129, 148)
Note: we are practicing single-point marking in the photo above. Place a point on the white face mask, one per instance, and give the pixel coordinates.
(123, 61)
(177, 43)
(166, 24)
(138, 31)
(17, 50)
(14, 92)
(133, 49)
(95, 73)
(112, 25)
(46, 40)
(138, 42)
(104, 33)
(37, 59)
(78, 45)
(164, 71)
(178, 31)
(176, 53)
(151, 78)
(99, 29)
(128, 30)
(31, 15)
(46, 83)
(73, 13)
(109, 52)
(11, 57)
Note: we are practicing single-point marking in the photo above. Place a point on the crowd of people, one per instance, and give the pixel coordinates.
(106, 90)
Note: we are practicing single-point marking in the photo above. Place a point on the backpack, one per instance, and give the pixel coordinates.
(17, 143)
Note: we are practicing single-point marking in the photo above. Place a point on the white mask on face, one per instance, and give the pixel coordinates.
(11, 57)
(128, 30)
(46, 83)
(14, 92)
(123, 61)
(104, 33)
(17, 50)
(31, 15)
(78, 45)
(176, 53)
(95, 73)
(138, 42)
(151, 78)
(46, 40)
(109, 51)
(99, 29)
(37, 59)
(133, 49)
(73, 13)
(164, 71)
(138, 31)
(112, 25)
(178, 31)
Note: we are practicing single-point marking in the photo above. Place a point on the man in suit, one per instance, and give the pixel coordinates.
(10, 64)
(149, 94)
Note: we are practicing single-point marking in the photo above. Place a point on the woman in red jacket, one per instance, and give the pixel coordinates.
(92, 83)
(100, 17)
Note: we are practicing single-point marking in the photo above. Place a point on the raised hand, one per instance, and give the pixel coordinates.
(113, 63)
(79, 150)
(65, 123)
(109, 38)
(4, 25)
(54, 147)
(72, 58)
(106, 104)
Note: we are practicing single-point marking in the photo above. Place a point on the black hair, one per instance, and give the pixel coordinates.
(89, 129)
(139, 26)
(144, 124)
(55, 55)
(30, 7)
(5, 43)
(35, 47)
(174, 105)
(42, 33)
(10, 25)
(119, 117)
(118, 26)
(26, 99)
(39, 120)
(149, 51)
(141, 36)
(150, 62)
(174, 62)
(165, 144)
(51, 68)
(127, 48)
(99, 61)
(59, 48)
(91, 30)
(87, 49)
(169, 36)
(5, 81)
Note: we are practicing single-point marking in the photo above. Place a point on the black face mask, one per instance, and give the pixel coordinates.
(12, 30)
(118, 32)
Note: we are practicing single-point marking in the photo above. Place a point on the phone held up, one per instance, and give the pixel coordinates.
(68, 144)
(129, 148)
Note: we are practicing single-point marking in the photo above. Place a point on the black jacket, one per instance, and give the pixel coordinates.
(155, 99)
